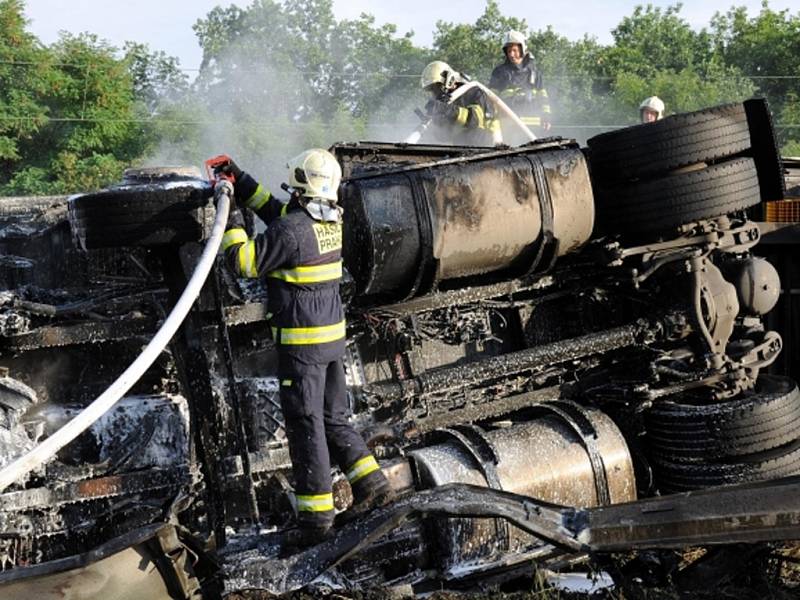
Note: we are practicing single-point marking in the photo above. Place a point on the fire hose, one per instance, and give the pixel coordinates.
(498, 103)
(223, 192)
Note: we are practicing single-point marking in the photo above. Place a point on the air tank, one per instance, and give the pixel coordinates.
(423, 227)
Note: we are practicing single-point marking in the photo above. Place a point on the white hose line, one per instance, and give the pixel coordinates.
(416, 135)
(503, 108)
(455, 95)
(105, 401)
(496, 101)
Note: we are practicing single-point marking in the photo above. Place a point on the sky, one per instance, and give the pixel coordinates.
(167, 24)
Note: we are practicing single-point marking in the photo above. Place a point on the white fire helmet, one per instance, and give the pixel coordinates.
(515, 37)
(439, 71)
(655, 104)
(316, 173)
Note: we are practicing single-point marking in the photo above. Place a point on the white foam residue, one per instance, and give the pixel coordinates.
(582, 583)
(165, 434)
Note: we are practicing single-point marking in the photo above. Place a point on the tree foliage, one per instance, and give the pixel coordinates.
(73, 113)
(767, 49)
(281, 75)
(25, 78)
(300, 58)
(157, 78)
(475, 49)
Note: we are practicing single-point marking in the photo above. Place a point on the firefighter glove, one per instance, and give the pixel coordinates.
(235, 219)
(442, 112)
(229, 168)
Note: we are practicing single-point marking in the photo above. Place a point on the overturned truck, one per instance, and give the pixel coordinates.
(537, 337)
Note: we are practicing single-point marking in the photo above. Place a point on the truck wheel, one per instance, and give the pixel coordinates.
(679, 477)
(677, 141)
(665, 203)
(687, 430)
(765, 150)
(143, 215)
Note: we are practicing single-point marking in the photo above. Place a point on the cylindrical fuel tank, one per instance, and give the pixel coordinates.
(546, 458)
(409, 230)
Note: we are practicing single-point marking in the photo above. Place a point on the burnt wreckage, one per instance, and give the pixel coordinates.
(579, 326)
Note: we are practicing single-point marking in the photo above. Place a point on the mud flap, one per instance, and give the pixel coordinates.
(765, 149)
(174, 562)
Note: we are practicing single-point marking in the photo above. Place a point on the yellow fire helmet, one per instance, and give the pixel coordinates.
(439, 72)
(317, 173)
(515, 37)
(653, 103)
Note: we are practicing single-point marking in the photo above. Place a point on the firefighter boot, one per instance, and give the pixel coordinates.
(369, 492)
(302, 536)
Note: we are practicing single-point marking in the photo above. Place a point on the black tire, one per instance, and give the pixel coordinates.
(143, 215)
(687, 430)
(160, 174)
(765, 149)
(680, 477)
(656, 148)
(666, 203)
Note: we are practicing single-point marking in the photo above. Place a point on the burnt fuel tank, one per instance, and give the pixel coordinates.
(571, 456)
(411, 230)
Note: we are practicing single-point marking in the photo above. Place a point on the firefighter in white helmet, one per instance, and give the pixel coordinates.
(651, 109)
(519, 83)
(468, 120)
(299, 259)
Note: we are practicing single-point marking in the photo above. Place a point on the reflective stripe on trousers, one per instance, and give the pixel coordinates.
(314, 502)
(362, 468)
(295, 336)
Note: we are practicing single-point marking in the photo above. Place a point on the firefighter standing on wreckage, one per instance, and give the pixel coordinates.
(466, 121)
(299, 258)
(519, 84)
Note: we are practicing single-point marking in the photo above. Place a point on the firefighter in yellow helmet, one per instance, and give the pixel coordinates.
(466, 121)
(519, 83)
(299, 259)
(651, 109)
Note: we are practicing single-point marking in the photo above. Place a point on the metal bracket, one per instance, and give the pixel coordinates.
(763, 354)
(574, 415)
(547, 251)
(474, 441)
(720, 236)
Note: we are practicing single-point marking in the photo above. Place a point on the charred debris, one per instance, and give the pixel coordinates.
(553, 351)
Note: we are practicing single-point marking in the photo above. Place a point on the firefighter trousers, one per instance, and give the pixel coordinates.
(314, 403)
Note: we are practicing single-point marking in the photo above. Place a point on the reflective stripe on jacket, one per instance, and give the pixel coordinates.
(474, 125)
(300, 261)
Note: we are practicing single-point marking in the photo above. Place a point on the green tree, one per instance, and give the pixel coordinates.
(158, 80)
(299, 57)
(25, 77)
(572, 76)
(655, 51)
(766, 48)
(73, 115)
(475, 49)
(653, 40)
(280, 76)
(93, 129)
